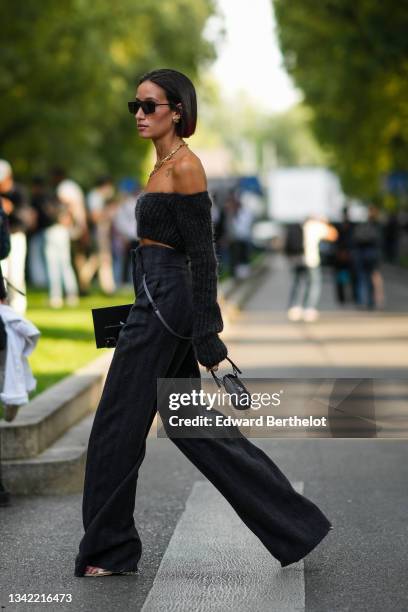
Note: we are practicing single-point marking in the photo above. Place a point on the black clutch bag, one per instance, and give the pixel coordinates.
(240, 396)
(107, 324)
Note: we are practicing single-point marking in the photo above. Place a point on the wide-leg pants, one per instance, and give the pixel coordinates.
(288, 524)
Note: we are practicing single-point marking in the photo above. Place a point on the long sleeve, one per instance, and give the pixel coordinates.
(194, 222)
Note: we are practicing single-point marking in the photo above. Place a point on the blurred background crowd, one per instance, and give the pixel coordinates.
(67, 239)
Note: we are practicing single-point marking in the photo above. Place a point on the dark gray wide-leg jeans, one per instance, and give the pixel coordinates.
(286, 522)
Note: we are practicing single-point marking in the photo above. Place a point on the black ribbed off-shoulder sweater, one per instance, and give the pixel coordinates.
(183, 221)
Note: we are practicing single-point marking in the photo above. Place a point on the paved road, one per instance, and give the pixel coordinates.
(361, 484)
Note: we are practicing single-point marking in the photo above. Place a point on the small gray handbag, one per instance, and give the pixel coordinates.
(240, 396)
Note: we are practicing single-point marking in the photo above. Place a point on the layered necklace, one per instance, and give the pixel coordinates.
(160, 162)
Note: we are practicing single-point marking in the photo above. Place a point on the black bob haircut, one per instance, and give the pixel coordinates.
(179, 89)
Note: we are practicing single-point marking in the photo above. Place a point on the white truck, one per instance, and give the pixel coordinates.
(295, 193)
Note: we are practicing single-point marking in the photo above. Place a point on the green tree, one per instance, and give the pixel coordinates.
(351, 61)
(236, 126)
(68, 69)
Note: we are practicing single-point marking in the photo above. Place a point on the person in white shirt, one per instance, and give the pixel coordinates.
(71, 194)
(307, 271)
(57, 253)
(100, 215)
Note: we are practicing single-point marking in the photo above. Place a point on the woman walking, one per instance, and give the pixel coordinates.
(175, 228)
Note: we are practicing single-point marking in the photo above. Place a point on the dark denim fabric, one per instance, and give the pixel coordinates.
(287, 523)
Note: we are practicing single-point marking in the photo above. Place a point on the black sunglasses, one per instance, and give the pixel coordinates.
(148, 106)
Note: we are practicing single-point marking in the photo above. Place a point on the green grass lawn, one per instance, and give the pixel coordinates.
(67, 338)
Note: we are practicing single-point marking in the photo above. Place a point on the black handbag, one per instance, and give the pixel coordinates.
(109, 321)
(240, 396)
(107, 324)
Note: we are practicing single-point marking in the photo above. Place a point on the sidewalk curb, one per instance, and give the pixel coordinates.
(40, 422)
(45, 447)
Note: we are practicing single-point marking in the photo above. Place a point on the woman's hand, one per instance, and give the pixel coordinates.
(215, 368)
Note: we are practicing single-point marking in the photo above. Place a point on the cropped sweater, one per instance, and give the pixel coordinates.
(183, 221)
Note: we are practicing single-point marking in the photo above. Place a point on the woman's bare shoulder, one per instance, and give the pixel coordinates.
(189, 174)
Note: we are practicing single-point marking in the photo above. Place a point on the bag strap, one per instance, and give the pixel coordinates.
(218, 380)
(156, 310)
(13, 287)
(235, 367)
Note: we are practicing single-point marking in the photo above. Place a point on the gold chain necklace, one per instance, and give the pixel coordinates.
(159, 163)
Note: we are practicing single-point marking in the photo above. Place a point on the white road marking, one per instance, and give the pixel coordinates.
(214, 562)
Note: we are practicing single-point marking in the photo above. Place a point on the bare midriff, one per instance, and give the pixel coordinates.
(143, 241)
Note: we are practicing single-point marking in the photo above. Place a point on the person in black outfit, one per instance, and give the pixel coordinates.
(392, 236)
(39, 194)
(177, 260)
(345, 276)
(367, 246)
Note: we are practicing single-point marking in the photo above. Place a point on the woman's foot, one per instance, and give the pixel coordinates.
(91, 570)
